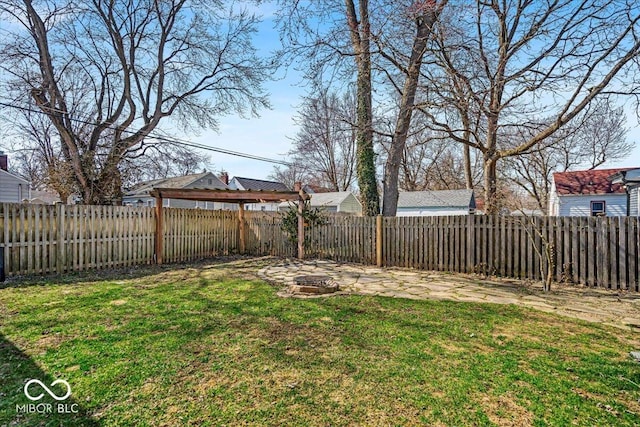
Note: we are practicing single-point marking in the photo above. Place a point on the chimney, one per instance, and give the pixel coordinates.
(224, 177)
(4, 162)
(297, 186)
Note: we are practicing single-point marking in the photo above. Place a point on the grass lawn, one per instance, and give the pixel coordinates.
(212, 345)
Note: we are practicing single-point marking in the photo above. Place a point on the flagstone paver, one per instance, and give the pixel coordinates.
(617, 308)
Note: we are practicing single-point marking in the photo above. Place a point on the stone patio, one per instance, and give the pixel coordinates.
(616, 308)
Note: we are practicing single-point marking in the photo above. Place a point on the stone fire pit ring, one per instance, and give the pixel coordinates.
(311, 284)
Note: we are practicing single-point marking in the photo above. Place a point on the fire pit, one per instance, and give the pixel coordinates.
(313, 285)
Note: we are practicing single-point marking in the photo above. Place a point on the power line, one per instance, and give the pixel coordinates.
(173, 140)
(162, 138)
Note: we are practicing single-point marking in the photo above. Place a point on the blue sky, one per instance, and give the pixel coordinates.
(270, 135)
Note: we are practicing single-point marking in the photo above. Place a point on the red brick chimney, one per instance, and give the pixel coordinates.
(297, 186)
(224, 177)
(4, 161)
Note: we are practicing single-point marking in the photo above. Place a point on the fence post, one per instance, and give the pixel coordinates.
(300, 224)
(2, 276)
(60, 249)
(159, 231)
(241, 228)
(379, 240)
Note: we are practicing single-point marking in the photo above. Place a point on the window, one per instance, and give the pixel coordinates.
(598, 208)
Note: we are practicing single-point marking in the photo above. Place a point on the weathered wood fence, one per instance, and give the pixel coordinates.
(593, 251)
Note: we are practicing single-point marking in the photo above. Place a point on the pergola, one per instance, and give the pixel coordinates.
(241, 197)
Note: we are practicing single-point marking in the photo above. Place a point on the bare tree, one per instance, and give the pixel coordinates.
(37, 155)
(431, 161)
(289, 175)
(425, 15)
(596, 136)
(536, 59)
(327, 37)
(325, 145)
(374, 37)
(162, 160)
(106, 74)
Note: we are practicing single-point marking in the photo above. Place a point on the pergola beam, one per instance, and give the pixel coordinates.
(229, 196)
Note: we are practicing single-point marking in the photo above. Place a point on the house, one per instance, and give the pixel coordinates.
(139, 195)
(333, 202)
(13, 189)
(239, 183)
(436, 203)
(587, 193)
(630, 180)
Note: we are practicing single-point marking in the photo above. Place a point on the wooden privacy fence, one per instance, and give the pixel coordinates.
(593, 251)
(41, 239)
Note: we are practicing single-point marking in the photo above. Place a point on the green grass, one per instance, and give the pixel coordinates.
(210, 345)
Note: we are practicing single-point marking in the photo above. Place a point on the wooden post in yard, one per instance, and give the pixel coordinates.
(159, 230)
(379, 240)
(241, 228)
(2, 274)
(298, 188)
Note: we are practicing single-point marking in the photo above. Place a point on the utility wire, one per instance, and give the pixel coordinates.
(162, 138)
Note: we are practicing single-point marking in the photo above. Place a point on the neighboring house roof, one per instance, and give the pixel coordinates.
(259, 184)
(329, 199)
(144, 188)
(326, 199)
(314, 189)
(628, 176)
(14, 176)
(595, 181)
(436, 199)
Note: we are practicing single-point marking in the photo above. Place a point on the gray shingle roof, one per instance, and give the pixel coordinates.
(175, 182)
(433, 199)
(259, 184)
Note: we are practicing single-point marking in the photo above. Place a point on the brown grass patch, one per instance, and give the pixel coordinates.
(505, 412)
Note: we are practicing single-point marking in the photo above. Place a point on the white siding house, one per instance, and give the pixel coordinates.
(587, 193)
(436, 203)
(13, 189)
(139, 195)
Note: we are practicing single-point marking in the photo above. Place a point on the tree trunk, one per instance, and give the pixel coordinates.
(366, 168)
(468, 175)
(491, 202)
(423, 31)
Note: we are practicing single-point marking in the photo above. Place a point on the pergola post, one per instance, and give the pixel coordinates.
(159, 231)
(241, 228)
